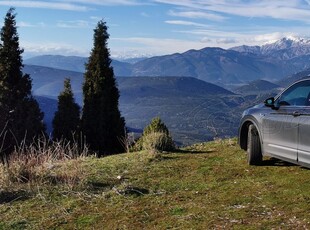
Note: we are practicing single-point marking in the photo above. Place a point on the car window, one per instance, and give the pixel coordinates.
(296, 95)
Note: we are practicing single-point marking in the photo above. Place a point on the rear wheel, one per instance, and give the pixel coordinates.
(254, 147)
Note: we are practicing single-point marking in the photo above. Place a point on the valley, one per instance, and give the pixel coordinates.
(194, 110)
(199, 94)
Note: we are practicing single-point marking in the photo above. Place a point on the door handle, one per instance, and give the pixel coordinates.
(296, 114)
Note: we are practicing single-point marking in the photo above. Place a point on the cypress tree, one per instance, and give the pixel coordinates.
(102, 124)
(67, 117)
(20, 115)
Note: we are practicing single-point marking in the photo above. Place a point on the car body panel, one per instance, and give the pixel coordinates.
(283, 126)
(304, 137)
(280, 131)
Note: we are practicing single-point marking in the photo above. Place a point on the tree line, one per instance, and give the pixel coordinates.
(99, 122)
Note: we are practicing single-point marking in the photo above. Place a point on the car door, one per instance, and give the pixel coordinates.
(280, 131)
(280, 126)
(304, 136)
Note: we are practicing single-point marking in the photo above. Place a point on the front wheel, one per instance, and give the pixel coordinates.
(254, 147)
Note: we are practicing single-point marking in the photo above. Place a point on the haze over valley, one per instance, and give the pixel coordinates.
(200, 94)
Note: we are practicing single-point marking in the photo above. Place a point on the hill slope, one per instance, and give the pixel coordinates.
(70, 63)
(167, 87)
(294, 77)
(208, 186)
(191, 108)
(74, 63)
(257, 87)
(210, 64)
(49, 81)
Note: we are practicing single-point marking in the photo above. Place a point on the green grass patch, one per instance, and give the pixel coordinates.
(204, 186)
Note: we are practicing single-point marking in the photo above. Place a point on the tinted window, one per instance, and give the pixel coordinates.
(297, 95)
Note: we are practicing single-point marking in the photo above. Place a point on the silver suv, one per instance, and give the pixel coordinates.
(280, 127)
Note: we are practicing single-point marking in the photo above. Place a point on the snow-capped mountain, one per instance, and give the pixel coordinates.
(131, 57)
(238, 65)
(283, 49)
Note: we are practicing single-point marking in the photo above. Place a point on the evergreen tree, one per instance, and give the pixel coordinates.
(102, 124)
(20, 115)
(67, 117)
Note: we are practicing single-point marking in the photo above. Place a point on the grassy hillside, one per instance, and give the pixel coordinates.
(204, 186)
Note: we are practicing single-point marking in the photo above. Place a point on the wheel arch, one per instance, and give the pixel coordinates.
(243, 133)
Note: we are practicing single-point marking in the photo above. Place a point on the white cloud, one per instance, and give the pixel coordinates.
(206, 40)
(221, 29)
(27, 24)
(34, 49)
(266, 38)
(213, 33)
(73, 24)
(197, 14)
(185, 23)
(226, 41)
(277, 9)
(143, 14)
(159, 46)
(45, 5)
(107, 2)
(69, 5)
(96, 18)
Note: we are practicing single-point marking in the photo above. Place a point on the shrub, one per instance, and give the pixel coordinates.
(155, 137)
(156, 125)
(157, 141)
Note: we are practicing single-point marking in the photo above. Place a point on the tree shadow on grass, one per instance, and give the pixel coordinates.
(166, 157)
(277, 163)
(194, 151)
(96, 187)
(8, 197)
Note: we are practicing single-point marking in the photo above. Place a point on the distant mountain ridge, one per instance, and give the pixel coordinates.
(283, 49)
(238, 65)
(71, 63)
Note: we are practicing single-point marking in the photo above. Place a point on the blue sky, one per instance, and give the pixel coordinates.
(155, 27)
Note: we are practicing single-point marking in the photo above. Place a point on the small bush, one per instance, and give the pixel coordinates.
(155, 137)
(157, 141)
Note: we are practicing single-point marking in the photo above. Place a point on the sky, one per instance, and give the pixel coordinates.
(140, 28)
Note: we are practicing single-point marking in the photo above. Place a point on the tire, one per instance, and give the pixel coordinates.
(254, 147)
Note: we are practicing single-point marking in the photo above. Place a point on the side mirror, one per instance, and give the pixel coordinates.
(270, 103)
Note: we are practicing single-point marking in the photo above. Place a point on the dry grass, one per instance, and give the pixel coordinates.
(43, 163)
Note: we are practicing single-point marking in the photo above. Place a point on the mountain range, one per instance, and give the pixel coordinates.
(283, 49)
(194, 110)
(175, 86)
(190, 107)
(238, 65)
